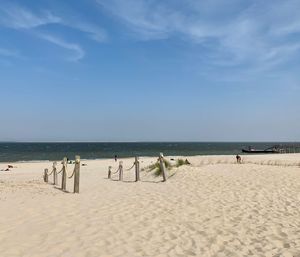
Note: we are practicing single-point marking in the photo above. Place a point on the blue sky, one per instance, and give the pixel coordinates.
(149, 70)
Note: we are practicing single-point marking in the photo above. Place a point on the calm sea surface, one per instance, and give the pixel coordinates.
(56, 151)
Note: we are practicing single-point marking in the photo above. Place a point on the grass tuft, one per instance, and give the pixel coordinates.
(157, 169)
(181, 162)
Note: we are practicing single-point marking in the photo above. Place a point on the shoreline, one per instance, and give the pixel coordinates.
(36, 152)
(247, 156)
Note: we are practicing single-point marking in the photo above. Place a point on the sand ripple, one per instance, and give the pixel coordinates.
(208, 210)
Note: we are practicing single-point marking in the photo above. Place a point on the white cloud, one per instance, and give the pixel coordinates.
(94, 32)
(234, 32)
(17, 17)
(149, 22)
(20, 18)
(77, 50)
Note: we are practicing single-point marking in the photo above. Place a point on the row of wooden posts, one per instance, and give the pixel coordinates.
(137, 169)
(63, 171)
(76, 172)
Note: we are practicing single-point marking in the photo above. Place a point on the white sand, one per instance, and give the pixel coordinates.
(213, 208)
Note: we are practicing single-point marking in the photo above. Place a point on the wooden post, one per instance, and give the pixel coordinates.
(46, 175)
(109, 172)
(77, 174)
(162, 167)
(120, 171)
(137, 169)
(64, 175)
(54, 173)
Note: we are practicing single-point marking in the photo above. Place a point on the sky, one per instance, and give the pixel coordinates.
(150, 70)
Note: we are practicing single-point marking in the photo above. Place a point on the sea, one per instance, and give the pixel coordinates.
(23, 152)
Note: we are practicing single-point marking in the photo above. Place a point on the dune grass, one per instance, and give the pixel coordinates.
(181, 162)
(157, 169)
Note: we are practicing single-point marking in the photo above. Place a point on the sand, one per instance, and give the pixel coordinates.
(212, 208)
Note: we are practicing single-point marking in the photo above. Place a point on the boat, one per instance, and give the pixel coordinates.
(268, 150)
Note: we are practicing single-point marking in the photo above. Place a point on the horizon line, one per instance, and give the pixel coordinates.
(189, 141)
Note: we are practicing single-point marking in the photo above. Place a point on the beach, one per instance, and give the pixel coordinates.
(213, 207)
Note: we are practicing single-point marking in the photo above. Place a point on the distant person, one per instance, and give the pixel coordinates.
(116, 158)
(238, 159)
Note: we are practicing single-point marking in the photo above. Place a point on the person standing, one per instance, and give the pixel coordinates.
(238, 159)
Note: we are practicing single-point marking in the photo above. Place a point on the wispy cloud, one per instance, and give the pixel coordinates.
(149, 22)
(233, 32)
(76, 49)
(20, 18)
(17, 17)
(94, 32)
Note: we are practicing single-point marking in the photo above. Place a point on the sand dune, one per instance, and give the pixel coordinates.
(212, 208)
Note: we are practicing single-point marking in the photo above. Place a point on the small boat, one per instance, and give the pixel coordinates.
(268, 150)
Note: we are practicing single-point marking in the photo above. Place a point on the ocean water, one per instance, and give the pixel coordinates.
(12, 152)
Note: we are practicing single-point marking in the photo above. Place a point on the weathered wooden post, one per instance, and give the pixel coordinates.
(54, 173)
(120, 171)
(77, 174)
(64, 175)
(137, 169)
(46, 175)
(109, 172)
(162, 167)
